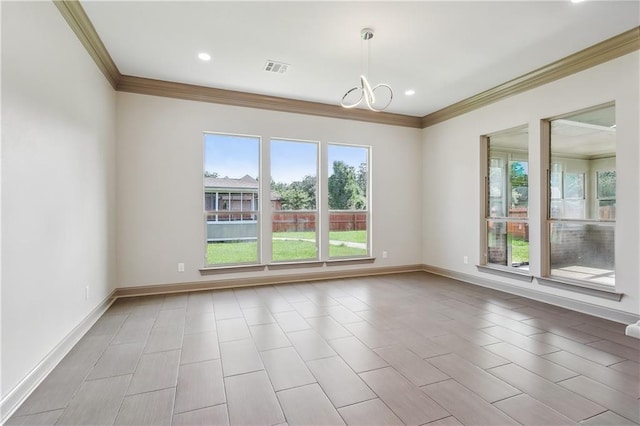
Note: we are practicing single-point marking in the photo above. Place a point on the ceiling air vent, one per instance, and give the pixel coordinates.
(276, 67)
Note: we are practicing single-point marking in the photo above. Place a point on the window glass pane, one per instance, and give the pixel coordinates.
(583, 252)
(606, 193)
(348, 188)
(508, 188)
(231, 173)
(508, 244)
(294, 171)
(508, 199)
(583, 149)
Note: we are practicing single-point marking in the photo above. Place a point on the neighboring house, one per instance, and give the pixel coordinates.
(225, 198)
(231, 205)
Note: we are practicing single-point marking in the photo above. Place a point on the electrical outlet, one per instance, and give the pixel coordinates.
(86, 293)
(385, 254)
(180, 267)
(465, 260)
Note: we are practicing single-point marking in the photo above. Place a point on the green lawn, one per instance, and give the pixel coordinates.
(519, 251)
(354, 236)
(285, 250)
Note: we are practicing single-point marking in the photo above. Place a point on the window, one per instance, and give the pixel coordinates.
(506, 193)
(231, 207)
(294, 189)
(581, 217)
(348, 193)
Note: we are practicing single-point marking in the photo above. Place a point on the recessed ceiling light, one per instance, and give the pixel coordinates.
(204, 56)
(410, 92)
(577, 1)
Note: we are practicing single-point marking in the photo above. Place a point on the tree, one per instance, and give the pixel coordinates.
(211, 174)
(344, 191)
(294, 198)
(362, 178)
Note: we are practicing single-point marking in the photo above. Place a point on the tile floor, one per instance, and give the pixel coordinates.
(408, 349)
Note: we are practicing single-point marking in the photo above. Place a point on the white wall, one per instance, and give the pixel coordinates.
(451, 192)
(58, 185)
(160, 194)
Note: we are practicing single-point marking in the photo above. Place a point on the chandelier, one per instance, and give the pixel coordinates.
(364, 92)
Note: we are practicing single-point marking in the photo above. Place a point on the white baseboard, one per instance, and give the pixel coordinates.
(633, 330)
(552, 299)
(28, 384)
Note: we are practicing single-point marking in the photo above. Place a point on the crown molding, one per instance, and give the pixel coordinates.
(79, 22)
(147, 86)
(605, 51)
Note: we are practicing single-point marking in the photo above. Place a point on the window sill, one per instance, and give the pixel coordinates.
(505, 272)
(284, 265)
(213, 270)
(602, 291)
(295, 265)
(349, 261)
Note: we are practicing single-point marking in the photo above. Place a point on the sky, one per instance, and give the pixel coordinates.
(236, 156)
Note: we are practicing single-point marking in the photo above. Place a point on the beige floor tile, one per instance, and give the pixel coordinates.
(286, 369)
(616, 349)
(631, 368)
(200, 347)
(308, 309)
(328, 328)
(147, 409)
(96, 403)
(534, 363)
(210, 416)
(46, 418)
(239, 357)
(232, 329)
(530, 411)
(339, 382)
(199, 385)
(269, 336)
(567, 403)
(117, 360)
(608, 418)
(252, 400)
(447, 421)
(226, 311)
(359, 357)
(475, 379)
(465, 405)
(134, 330)
(469, 351)
(164, 339)
(310, 345)
(371, 336)
(615, 401)
(291, 321)
(605, 375)
(523, 342)
(308, 405)
(199, 322)
(257, 316)
(368, 413)
(584, 351)
(343, 315)
(411, 366)
(410, 404)
(199, 301)
(155, 371)
(175, 317)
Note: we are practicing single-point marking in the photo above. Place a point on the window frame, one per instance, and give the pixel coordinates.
(547, 221)
(367, 211)
(256, 213)
(485, 206)
(315, 211)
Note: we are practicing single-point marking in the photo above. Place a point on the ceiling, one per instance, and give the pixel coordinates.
(446, 51)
